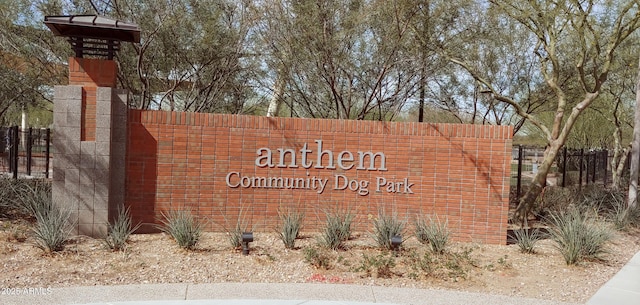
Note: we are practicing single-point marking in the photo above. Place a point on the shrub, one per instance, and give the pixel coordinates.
(26, 197)
(386, 226)
(379, 265)
(317, 258)
(451, 265)
(337, 230)
(425, 264)
(578, 237)
(52, 228)
(183, 227)
(526, 239)
(235, 236)
(118, 233)
(623, 217)
(433, 233)
(18, 233)
(554, 199)
(290, 225)
(234, 233)
(600, 199)
(5, 195)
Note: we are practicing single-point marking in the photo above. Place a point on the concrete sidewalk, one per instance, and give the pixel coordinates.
(623, 288)
(261, 294)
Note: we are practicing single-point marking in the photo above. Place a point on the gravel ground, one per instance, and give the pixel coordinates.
(155, 258)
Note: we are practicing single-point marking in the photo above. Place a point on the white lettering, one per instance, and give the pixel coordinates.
(407, 186)
(283, 153)
(322, 153)
(228, 179)
(338, 185)
(303, 152)
(359, 186)
(380, 181)
(245, 182)
(342, 158)
(345, 159)
(266, 159)
(323, 184)
(372, 160)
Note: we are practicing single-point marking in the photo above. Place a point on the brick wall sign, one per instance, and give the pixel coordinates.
(223, 167)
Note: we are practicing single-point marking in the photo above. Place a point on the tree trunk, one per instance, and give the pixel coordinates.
(537, 184)
(635, 150)
(278, 92)
(617, 165)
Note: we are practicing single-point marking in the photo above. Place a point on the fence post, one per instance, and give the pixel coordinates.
(593, 175)
(564, 167)
(605, 155)
(9, 139)
(47, 152)
(519, 183)
(587, 167)
(29, 148)
(581, 163)
(15, 139)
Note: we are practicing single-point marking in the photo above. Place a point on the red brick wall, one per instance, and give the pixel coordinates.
(91, 73)
(181, 160)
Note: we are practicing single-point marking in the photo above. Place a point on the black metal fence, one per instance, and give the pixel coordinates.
(25, 152)
(572, 167)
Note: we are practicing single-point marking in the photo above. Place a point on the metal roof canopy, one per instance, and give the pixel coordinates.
(93, 35)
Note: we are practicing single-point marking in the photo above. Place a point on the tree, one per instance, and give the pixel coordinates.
(465, 28)
(337, 58)
(581, 34)
(635, 151)
(30, 59)
(192, 55)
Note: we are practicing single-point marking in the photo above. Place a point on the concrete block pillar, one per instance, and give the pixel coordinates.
(89, 141)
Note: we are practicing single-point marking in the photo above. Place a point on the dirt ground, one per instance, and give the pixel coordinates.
(155, 258)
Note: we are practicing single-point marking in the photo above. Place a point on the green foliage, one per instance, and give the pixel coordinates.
(623, 217)
(600, 199)
(555, 199)
(18, 233)
(52, 228)
(240, 225)
(526, 239)
(425, 264)
(183, 227)
(5, 194)
(380, 265)
(24, 196)
(502, 263)
(433, 233)
(612, 206)
(609, 204)
(33, 199)
(452, 265)
(337, 230)
(119, 231)
(386, 226)
(235, 236)
(317, 258)
(578, 237)
(290, 225)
